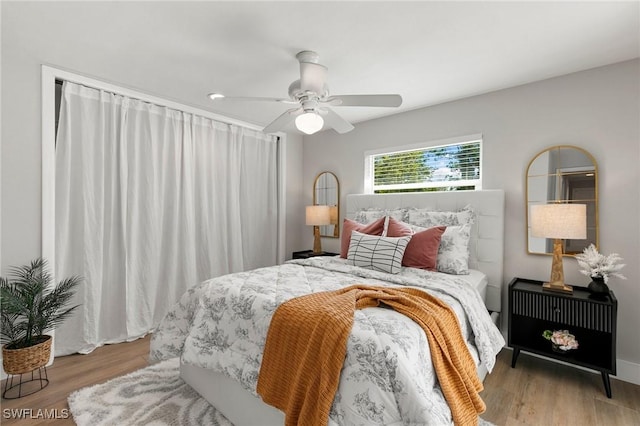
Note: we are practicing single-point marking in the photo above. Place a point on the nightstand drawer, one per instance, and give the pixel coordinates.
(572, 312)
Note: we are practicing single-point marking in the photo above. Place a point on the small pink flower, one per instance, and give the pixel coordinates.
(565, 340)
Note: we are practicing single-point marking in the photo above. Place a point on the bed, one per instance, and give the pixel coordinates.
(219, 327)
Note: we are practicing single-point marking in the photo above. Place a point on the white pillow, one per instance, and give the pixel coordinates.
(453, 252)
(369, 215)
(427, 218)
(377, 253)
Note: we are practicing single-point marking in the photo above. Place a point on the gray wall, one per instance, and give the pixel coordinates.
(597, 110)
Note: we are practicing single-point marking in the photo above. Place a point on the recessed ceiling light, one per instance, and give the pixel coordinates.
(215, 96)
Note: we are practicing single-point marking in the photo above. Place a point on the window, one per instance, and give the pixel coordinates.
(449, 165)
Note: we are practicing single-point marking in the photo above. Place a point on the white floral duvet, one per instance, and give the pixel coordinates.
(387, 377)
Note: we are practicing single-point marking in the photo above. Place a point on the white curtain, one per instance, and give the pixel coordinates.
(150, 201)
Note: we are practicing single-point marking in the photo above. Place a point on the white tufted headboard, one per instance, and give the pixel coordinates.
(487, 234)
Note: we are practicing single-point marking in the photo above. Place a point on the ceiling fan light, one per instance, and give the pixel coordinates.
(309, 123)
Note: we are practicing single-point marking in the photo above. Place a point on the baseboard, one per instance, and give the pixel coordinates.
(628, 371)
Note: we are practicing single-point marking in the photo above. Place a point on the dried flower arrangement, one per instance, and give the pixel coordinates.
(561, 338)
(596, 265)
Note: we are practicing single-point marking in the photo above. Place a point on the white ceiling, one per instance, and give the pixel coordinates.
(429, 52)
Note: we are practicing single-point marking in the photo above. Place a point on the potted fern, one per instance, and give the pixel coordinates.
(30, 307)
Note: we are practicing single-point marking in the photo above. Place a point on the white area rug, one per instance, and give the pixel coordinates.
(154, 396)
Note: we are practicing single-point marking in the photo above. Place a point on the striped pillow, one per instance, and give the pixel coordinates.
(377, 253)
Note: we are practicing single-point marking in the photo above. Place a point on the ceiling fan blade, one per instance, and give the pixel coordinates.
(365, 100)
(313, 77)
(282, 120)
(336, 122)
(217, 97)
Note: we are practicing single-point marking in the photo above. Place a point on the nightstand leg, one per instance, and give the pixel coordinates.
(607, 383)
(514, 357)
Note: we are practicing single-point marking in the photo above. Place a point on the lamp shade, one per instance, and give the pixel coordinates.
(309, 122)
(318, 215)
(560, 221)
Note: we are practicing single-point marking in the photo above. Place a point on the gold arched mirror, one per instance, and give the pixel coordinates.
(563, 174)
(326, 192)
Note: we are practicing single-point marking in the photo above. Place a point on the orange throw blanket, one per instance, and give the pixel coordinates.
(307, 342)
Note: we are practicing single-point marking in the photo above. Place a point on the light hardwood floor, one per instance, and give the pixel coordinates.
(536, 392)
(542, 392)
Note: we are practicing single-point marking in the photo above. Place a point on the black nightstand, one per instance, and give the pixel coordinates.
(591, 321)
(305, 254)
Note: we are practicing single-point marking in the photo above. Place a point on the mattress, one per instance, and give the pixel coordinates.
(477, 280)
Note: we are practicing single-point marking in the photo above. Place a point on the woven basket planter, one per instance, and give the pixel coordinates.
(25, 360)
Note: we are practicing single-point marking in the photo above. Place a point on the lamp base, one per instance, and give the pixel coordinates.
(317, 245)
(557, 274)
(558, 286)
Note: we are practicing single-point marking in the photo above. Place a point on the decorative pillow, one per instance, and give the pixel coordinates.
(369, 215)
(453, 253)
(378, 253)
(422, 250)
(397, 228)
(428, 218)
(373, 228)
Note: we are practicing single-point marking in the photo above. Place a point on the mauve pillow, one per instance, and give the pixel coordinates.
(396, 228)
(373, 228)
(422, 250)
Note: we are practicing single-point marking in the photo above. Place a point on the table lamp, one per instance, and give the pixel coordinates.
(334, 219)
(316, 217)
(558, 221)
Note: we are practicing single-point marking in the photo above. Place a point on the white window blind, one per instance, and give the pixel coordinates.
(444, 167)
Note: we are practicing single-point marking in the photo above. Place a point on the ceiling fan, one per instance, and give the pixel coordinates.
(311, 96)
